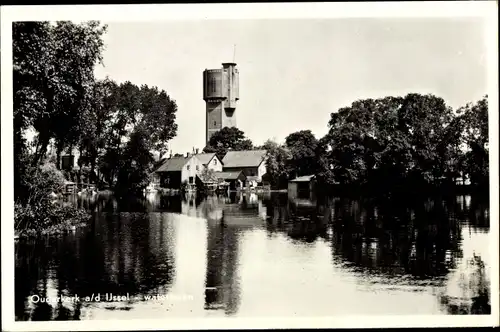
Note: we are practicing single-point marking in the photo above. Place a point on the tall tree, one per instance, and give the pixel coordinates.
(53, 74)
(388, 141)
(119, 111)
(228, 138)
(302, 146)
(277, 158)
(423, 119)
(53, 67)
(475, 134)
(98, 119)
(135, 166)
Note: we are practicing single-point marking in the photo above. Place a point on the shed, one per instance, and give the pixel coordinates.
(302, 186)
(235, 179)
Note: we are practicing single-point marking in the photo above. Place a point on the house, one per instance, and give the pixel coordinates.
(302, 186)
(177, 170)
(252, 163)
(234, 179)
(210, 161)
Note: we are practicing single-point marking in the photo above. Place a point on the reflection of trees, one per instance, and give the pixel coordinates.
(277, 210)
(396, 238)
(119, 254)
(472, 209)
(172, 204)
(300, 219)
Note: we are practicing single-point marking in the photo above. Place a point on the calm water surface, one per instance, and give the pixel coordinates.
(249, 255)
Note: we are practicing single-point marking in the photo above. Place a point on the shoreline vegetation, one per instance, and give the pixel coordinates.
(397, 145)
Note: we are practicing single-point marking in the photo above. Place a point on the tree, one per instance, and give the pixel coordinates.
(53, 72)
(423, 119)
(135, 165)
(475, 136)
(277, 158)
(53, 68)
(324, 171)
(228, 138)
(388, 141)
(120, 111)
(302, 146)
(95, 136)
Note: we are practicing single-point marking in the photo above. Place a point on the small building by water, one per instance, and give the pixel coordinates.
(251, 162)
(234, 179)
(178, 170)
(302, 186)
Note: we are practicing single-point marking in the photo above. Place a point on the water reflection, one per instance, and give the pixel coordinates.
(246, 254)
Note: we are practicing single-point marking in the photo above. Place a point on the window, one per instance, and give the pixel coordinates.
(215, 123)
(215, 161)
(213, 85)
(188, 167)
(197, 168)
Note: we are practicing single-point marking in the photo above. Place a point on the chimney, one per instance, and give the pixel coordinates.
(188, 155)
(170, 154)
(197, 151)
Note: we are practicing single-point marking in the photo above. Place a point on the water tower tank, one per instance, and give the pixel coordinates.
(213, 84)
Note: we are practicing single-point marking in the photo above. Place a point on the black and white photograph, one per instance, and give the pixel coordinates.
(249, 165)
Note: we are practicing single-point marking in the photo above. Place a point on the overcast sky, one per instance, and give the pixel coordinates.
(294, 73)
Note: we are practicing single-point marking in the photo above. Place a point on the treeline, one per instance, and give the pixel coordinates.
(116, 128)
(409, 143)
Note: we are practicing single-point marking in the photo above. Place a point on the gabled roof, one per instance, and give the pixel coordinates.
(305, 178)
(228, 175)
(205, 158)
(174, 164)
(249, 158)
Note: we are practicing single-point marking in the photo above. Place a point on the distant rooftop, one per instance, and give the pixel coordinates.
(173, 164)
(249, 158)
(205, 158)
(228, 175)
(305, 178)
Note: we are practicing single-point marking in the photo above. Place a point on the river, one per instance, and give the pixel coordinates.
(259, 256)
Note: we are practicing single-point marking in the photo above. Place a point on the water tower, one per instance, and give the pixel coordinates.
(220, 92)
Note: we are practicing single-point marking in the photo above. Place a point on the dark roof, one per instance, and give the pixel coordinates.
(305, 178)
(228, 175)
(205, 158)
(249, 158)
(207, 178)
(174, 164)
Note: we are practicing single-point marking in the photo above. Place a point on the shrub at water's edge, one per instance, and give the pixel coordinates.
(33, 220)
(37, 212)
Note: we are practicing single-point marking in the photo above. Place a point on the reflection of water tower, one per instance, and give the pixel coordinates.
(220, 92)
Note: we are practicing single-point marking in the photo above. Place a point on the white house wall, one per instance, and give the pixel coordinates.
(261, 170)
(215, 164)
(191, 168)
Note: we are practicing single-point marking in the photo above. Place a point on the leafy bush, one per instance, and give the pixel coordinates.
(33, 219)
(36, 212)
(40, 181)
